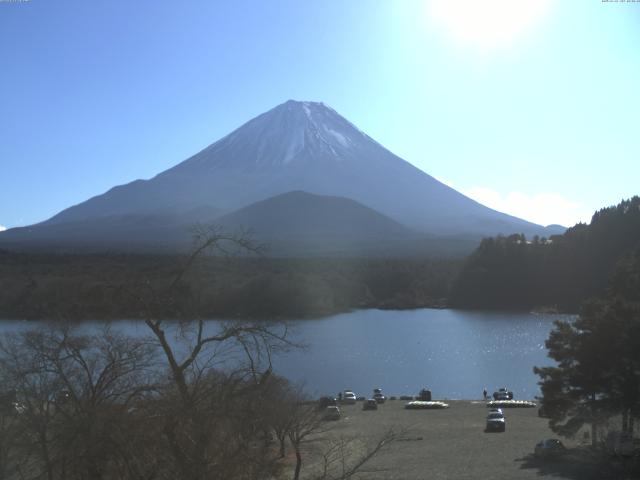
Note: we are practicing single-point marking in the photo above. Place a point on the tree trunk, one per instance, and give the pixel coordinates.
(594, 429)
(282, 447)
(44, 445)
(296, 474)
(625, 420)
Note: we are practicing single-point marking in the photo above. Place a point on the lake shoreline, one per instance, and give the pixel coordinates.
(384, 307)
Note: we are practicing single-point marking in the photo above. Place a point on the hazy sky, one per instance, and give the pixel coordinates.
(530, 107)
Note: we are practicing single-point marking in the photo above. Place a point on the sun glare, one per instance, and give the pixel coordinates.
(487, 24)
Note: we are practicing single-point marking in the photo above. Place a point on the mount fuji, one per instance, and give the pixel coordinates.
(295, 147)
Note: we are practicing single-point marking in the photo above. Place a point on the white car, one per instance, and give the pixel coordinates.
(331, 413)
(348, 397)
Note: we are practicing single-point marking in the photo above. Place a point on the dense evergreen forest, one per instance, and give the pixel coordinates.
(109, 286)
(595, 378)
(559, 272)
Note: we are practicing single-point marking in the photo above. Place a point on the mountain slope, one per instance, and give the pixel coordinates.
(299, 223)
(164, 231)
(295, 147)
(303, 146)
(294, 224)
(301, 213)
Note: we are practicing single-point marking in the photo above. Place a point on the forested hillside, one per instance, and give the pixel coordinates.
(109, 286)
(560, 272)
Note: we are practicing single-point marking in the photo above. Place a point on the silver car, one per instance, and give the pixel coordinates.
(331, 413)
(348, 397)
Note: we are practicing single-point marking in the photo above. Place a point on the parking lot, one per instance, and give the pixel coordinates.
(452, 444)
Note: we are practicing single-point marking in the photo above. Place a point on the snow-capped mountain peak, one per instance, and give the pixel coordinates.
(292, 133)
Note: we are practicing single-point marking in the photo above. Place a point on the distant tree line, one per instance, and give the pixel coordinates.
(560, 272)
(40, 286)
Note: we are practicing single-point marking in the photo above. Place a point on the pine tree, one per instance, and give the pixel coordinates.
(598, 360)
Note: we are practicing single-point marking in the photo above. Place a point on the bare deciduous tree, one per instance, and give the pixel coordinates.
(344, 457)
(73, 394)
(334, 457)
(217, 375)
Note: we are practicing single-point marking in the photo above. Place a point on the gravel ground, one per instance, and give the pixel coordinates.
(452, 444)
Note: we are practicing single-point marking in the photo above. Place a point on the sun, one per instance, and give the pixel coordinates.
(487, 24)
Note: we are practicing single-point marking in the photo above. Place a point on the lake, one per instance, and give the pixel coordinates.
(454, 353)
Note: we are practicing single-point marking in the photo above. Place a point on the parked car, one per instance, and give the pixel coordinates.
(62, 397)
(378, 396)
(620, 443)
(332, 412)
(542, 412)
(348, 397)
(424, 395)
(503, 394)
(370, 404)
(551, 447)
(325, 402)
(495, 422)
(9, 402)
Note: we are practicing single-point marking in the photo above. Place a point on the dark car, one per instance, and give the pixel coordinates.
(424, 395)
(63, 397)
(325, 402)
(503, 394)
(495, 422)
(8, 400)
(550, 447)
(542, 412)
(370, 404)
(378, 395)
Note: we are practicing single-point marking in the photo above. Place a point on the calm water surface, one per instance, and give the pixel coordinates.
(454, 353)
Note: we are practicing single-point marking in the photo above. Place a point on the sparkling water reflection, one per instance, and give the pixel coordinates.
(454, 353)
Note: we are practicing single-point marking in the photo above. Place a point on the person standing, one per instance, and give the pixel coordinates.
(484, 393)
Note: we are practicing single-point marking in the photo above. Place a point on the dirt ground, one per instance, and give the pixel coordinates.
(452, 444)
